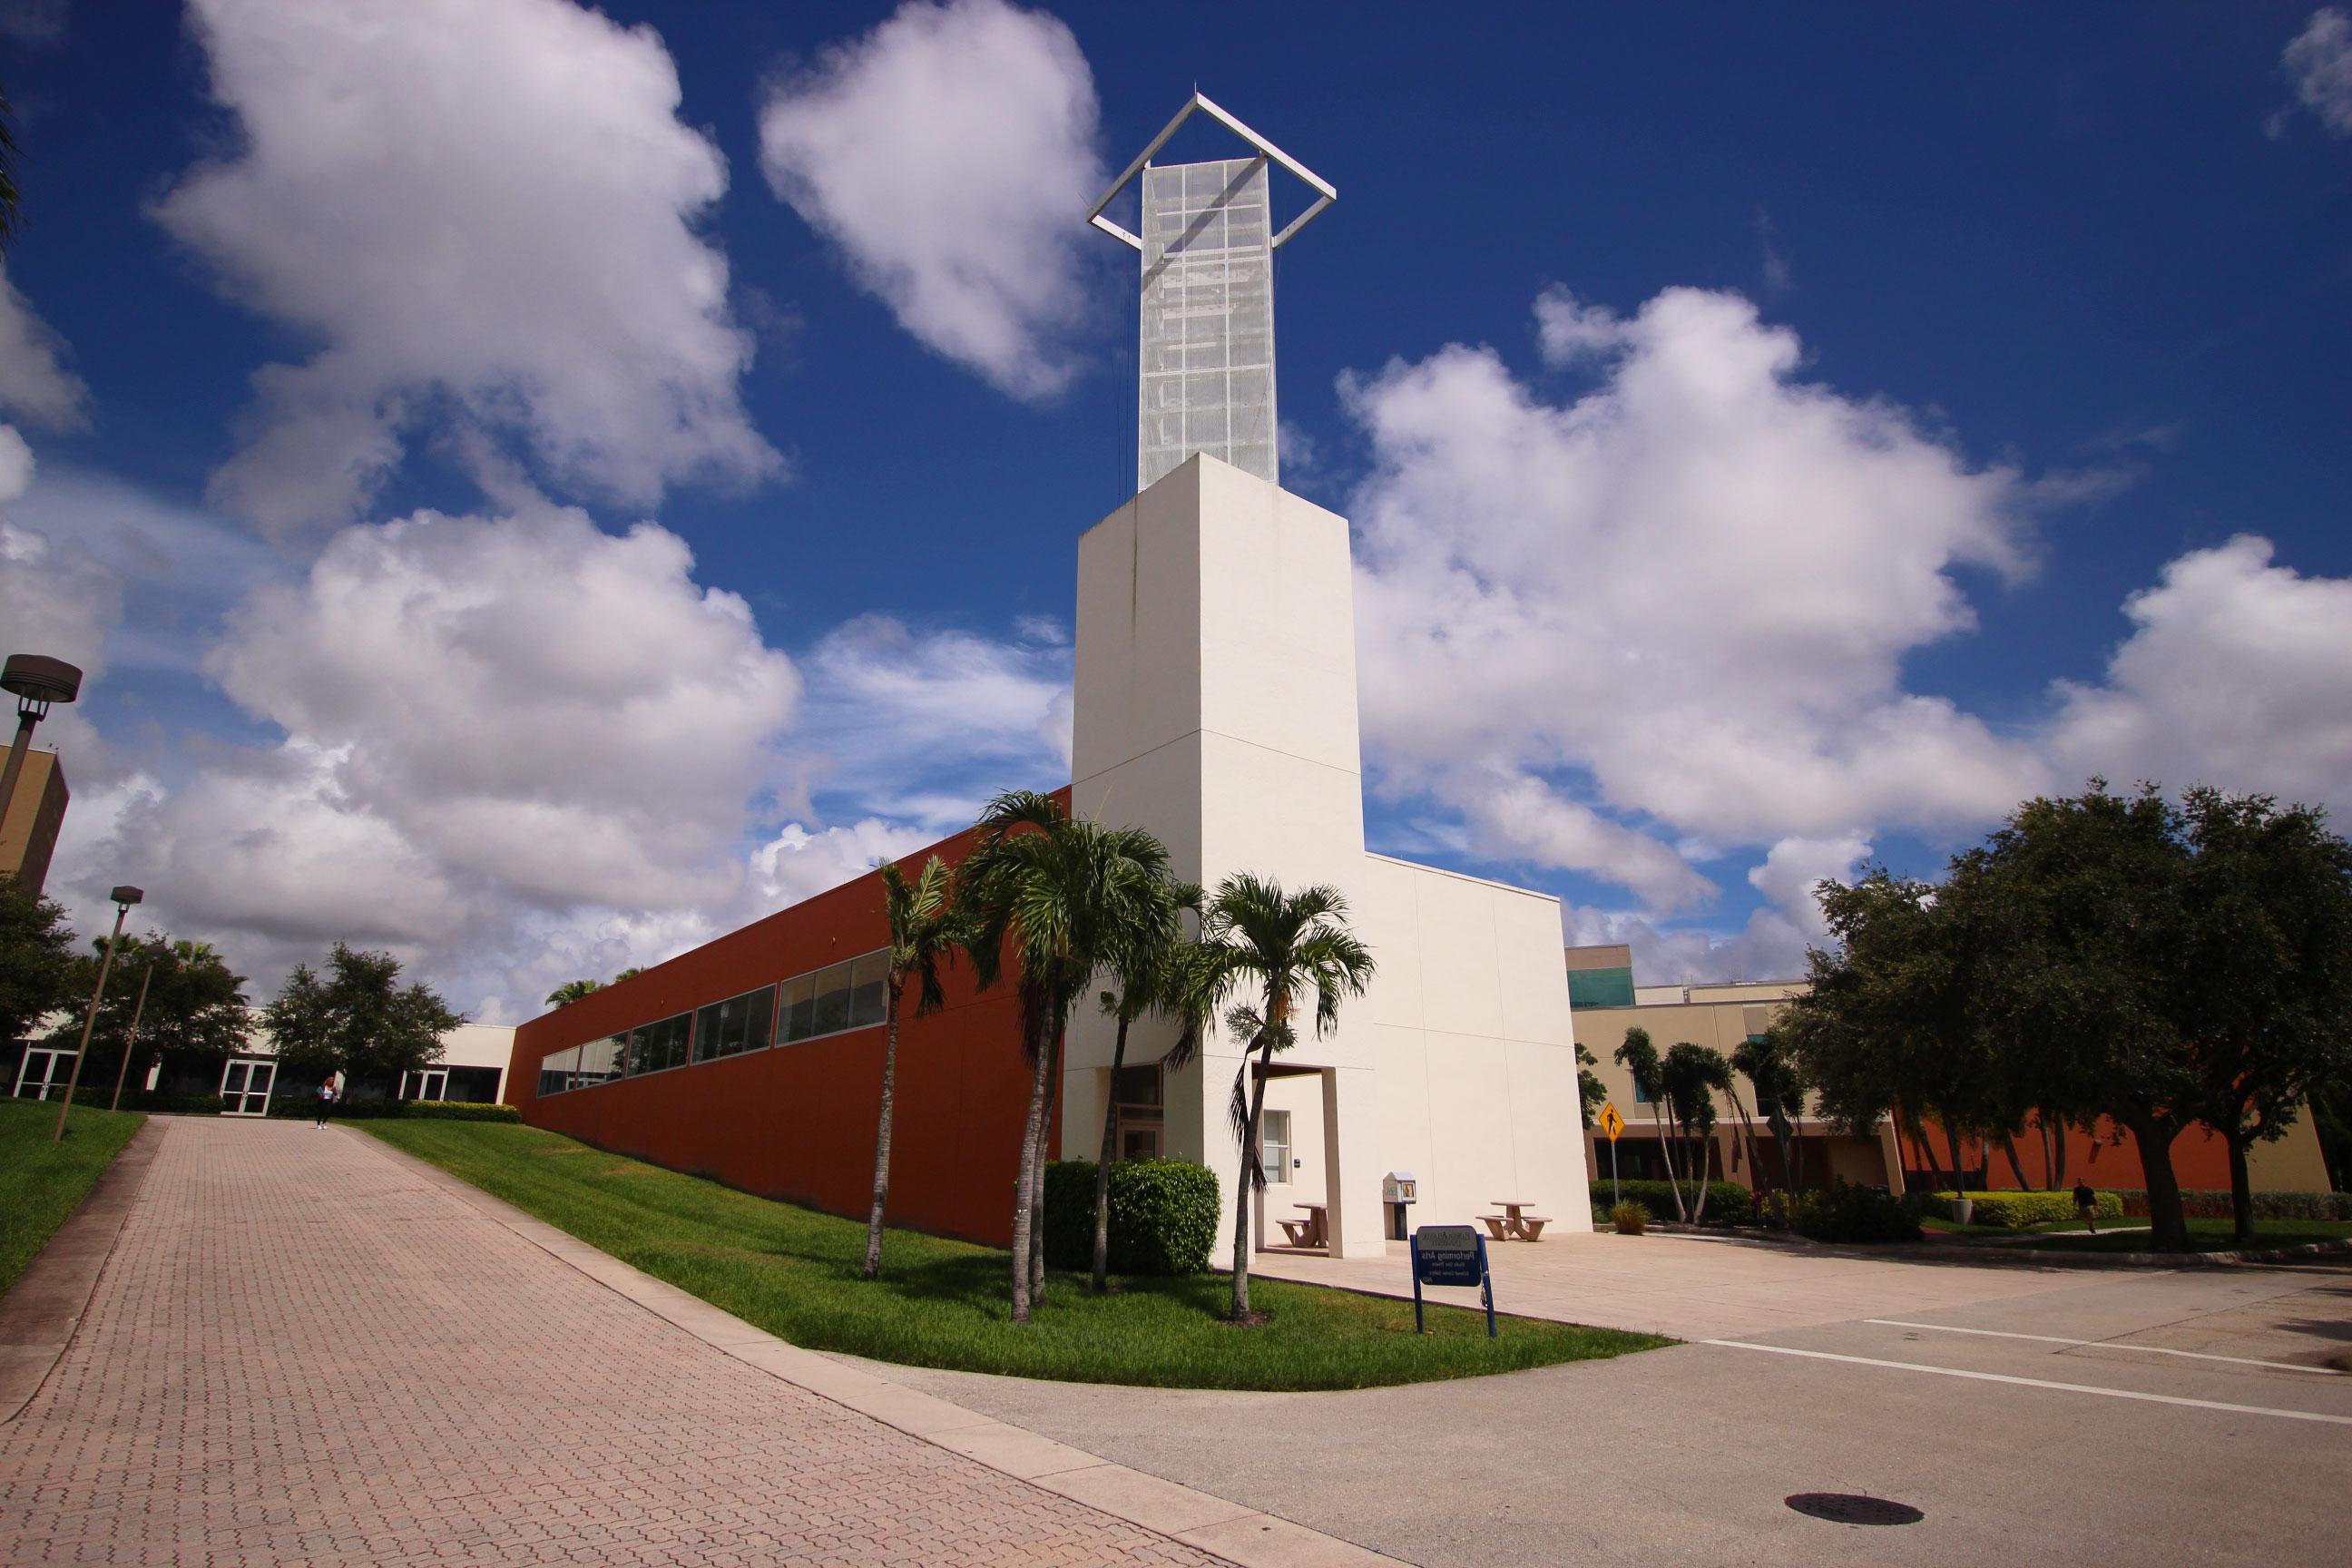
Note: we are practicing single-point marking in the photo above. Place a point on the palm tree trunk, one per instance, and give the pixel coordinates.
(1024, 1190)
(1673, 1178)
(2242, 1193)
(1242, 1197)
(2016, 1167)
(882, 1143)
(1959, 1164)
(1102, 1166)
(1037, 1189)
(1698, 1183)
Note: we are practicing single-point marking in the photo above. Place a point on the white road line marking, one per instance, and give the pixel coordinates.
(2106, 1345)
(2038, 1383)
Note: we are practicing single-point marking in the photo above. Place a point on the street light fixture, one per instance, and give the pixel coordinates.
(123, 897)
(37, 681)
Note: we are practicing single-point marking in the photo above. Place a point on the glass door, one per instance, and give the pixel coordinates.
(44, 1074)
(431, 1083)
(245, 1087)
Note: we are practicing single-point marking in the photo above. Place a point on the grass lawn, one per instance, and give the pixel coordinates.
(794, 1272)
(2204, 1236)
(46, 1182)
(1951, 1227)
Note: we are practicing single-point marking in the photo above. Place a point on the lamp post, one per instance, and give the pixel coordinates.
(123, 897)
(37, 680)
(138, 1012)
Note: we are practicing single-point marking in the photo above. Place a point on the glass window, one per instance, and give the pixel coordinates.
(641, 1047)
(710, 1028)
(559, 1071)
(676, 1034)
(1138, 1085)
(832, 1000)
(759, 1018)
(798, 1008)
(1274, 1144)
(601, 1061)
(868, 978)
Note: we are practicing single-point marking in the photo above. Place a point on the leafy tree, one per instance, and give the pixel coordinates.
(1779, 1094)
(1155, 969)
(2266, 983)
(194, 1008)
(629, 973)
(1274, 946)
(1639, 1056)
(35, 960)
(1691, 1074)
(357, 1020)
(570, 991)
(1060, 894)
(1591, 1092)
(925, 931)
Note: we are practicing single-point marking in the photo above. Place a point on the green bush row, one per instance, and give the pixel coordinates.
(1163, 1215)
(2013, 1211)
(294, 1105)
(2200, 1203)
(1728, 1203)
(1846, 1213)
(102, 1095)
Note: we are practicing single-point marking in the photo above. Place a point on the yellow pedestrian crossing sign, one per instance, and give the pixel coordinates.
(1610, 1122)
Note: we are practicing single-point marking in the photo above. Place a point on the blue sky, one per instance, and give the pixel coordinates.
(535, 487)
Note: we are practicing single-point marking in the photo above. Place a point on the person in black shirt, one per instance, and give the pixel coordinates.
(2087, 1206)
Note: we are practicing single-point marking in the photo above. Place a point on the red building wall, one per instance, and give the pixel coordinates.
(2199, 1158)
(797, 1121)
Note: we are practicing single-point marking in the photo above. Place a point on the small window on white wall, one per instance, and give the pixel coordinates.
(1274, 1144)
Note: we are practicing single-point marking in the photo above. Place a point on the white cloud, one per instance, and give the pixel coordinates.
(34, 386)
(2319, 63)
(58, 599)
(926, 726)
(950, 154)
(482, 210)
(1678, 603)
(798, 864)
(2234, 674)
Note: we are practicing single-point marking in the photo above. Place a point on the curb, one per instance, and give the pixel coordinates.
(1230, 1531)
(41, 1313)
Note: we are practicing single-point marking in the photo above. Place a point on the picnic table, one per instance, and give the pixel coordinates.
(1513, 1223)
(1312, 1231)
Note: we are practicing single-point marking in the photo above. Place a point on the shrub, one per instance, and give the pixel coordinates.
(1163, 1215)
(1846, 1213)
(2209, 1204)
(2015, 1211)
(1631, 1219)
(1728, 1203)
(101, 1095)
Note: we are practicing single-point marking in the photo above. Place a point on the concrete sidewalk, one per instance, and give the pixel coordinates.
(307, 1348)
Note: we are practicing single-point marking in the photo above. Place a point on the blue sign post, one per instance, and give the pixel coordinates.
(1451, 1255)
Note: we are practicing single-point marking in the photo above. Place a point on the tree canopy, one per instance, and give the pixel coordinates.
(357, 1019)
(36, 960)
(195, 1006)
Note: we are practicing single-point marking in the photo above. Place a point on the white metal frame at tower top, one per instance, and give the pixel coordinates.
(1324, 194)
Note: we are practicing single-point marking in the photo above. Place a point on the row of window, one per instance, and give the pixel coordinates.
(841, 996)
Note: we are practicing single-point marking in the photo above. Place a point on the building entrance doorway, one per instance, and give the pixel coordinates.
(44, 1074)
(429, 1083)
(245, 1087)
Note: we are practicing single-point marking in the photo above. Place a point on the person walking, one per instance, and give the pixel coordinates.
(326, 1101)
(2087, 1206)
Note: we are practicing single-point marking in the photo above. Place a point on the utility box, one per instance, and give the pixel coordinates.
(1398, 1191)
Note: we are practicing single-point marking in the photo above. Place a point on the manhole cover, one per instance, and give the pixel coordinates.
(1850, 1507)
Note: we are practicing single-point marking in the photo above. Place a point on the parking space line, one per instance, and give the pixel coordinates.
(2038, 1383)
(2106, 1346)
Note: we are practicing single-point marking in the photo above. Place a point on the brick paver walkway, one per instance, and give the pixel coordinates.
(302, 1352)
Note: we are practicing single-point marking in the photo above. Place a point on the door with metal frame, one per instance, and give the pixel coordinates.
(43, 1074)
(246, 1085)
(428, 1083)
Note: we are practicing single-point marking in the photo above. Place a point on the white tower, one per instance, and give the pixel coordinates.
(1215, 705)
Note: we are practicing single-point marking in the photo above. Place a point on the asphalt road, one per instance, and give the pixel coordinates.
(2200, 1420)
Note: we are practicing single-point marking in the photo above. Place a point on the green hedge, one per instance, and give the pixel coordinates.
(140, 1100)
(299, 1105)
(1846, 1213)
(1163, 1215)
(2200, 1203)
(1728, 1203)
(2015, 1211)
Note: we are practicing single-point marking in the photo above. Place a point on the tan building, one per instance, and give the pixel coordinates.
(1724, 1016)
(1721, 1017)
(30, 835)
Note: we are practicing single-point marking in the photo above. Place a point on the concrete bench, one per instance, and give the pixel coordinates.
(1300, 1231)
(1531, 1226)
(1497, 1226)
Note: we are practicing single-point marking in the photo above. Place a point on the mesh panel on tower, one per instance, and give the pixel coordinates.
(1207, 352)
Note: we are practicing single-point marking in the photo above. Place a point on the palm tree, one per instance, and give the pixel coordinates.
(630, 974)
(1691, 1074)
(1152, 970)
(570, 991)
(924, 930)
(1063, 893)
(1276, 943)
(1638, 1057)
